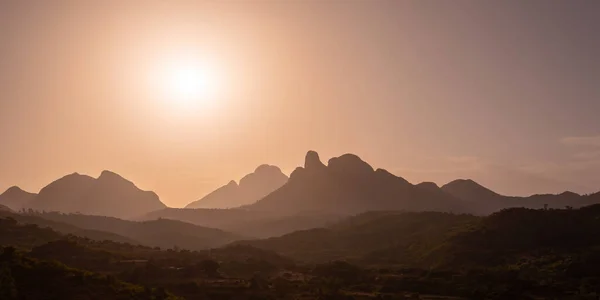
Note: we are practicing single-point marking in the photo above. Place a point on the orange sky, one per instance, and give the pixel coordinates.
(502, 92)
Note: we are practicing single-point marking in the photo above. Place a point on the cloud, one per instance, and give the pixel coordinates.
(591, 141)
(588, 155)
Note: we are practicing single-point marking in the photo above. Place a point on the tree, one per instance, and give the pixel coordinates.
(8, 289)
(8, 253)
(210, 267)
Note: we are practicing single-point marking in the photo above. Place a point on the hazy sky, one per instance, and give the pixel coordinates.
(503, 92)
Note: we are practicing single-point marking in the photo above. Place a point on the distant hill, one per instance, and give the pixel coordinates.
(348, 185)
(254, 186)
(250, 223)
(515, 236)
(157, 233)
(484, 201)
(108, 195)
(15, 198)
(5, 208)
(410, 235)
(65, 228)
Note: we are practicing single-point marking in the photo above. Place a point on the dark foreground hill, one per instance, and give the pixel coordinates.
(410, 235)
(107, 195)
(23, 277)
(128, 271)
(348, 185)
(445, 240)
(252, 187)
(514, 254)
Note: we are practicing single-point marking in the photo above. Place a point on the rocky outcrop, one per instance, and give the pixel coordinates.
(252, 187)
(349, 185)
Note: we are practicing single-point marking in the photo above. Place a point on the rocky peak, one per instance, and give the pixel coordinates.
(263, 175)
(312, 161)
(109, 174)
(113, 178)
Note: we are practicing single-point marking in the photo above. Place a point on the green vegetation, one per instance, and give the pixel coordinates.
(513, 254)
(22, 277)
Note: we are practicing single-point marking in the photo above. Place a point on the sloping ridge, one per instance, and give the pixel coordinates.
(254, 186)
(108, 195)
(349, 185)
(468, 190)
(5, 208)
(403, 234)
(163, 233)
(484, 201)
(65, 228)
(15, 198)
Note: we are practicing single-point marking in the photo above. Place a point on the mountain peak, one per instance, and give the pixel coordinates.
(349, 185)
(13, 189)
(16, 198)
(110, 174)
(569, 194)
(350, 163)
(264, 168)
(428, 185)
(252, 187)
(312, 161)
(467, 189)
(464, 182)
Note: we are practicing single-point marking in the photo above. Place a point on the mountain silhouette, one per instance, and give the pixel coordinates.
(108, 195)
(15, 198)
(469, 190)
(485, 201)
(156, 233)
(347, 184)
(64, 228)
(254, 186)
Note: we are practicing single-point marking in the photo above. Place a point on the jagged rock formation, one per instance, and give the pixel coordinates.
(254, 186)
(349, 185)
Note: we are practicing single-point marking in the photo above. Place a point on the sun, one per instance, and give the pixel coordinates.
(189, 84)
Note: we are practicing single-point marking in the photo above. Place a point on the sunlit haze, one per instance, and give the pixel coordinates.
(183, 96)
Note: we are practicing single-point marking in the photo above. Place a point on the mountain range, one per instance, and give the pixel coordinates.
(108, 195)
(313, 195)
(349, 185)
(483, 201)
(252, 187)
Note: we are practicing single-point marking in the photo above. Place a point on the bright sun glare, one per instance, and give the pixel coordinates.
(189, 84)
